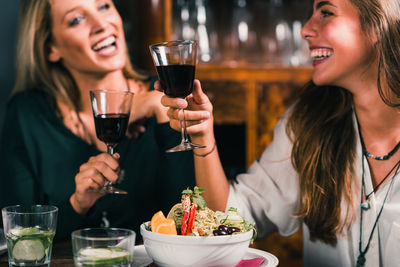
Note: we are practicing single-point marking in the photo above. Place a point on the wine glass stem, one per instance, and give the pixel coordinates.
(183, 128)
(110, 149)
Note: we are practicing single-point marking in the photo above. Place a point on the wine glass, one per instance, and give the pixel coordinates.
(111, 111)
(175, 62)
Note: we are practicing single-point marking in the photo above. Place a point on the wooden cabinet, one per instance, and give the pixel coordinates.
(255, 96)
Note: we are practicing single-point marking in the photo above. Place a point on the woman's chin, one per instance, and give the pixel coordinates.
(321, 81)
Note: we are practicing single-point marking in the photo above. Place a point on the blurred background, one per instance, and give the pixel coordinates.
(8, 24)
(229, 32)
(252, 64)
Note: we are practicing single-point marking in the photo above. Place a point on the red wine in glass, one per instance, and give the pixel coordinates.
(176, 80)
(111, 128)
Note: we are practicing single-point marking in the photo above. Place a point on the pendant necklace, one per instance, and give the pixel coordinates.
(365, 205)
(361, 258)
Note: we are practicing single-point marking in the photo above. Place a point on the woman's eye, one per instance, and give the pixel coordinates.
(75, 21)
(326, 13)
(104, 6)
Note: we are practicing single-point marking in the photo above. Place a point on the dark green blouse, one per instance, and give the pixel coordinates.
(40, 158)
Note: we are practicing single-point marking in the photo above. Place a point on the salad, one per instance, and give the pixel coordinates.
(192, 217)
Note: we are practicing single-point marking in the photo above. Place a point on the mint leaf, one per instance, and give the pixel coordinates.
(198, 190)
(200, 201)
(187, 191)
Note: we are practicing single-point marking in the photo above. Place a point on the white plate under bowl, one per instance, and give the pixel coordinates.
(141, 259)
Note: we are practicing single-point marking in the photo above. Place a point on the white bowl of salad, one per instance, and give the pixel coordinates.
(204, 237)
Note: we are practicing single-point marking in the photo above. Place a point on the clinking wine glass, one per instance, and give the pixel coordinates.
(111, 110)
(175, 62)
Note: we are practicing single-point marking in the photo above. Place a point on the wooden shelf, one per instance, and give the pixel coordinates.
(251, 73)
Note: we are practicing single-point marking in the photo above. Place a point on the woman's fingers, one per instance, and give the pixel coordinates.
(88, 180)
(104, 160)
(173, 102)
(198, 95)
(190, 115)
(99, 177)
(191, 118)
(100, 168)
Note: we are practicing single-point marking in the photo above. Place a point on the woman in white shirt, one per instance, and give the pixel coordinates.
(333, 165)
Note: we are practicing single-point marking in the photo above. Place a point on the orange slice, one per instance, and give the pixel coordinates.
(166, 226)
(157, 218)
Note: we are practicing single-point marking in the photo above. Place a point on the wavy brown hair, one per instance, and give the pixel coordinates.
(324, 138)
(34, 70)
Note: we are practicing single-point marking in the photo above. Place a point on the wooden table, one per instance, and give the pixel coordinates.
(61, 255)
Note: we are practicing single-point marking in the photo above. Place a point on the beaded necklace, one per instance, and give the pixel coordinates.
(384, 157)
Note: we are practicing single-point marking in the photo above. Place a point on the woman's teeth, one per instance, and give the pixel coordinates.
(105, 43)
(321, 53)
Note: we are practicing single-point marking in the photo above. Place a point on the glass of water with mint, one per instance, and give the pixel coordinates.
(29, 231)
(111, 247)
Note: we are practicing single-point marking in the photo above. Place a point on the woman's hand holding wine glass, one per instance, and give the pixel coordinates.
(91, 178)
(198, 114)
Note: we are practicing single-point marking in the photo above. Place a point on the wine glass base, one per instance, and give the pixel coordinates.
(184, 146)
(111, 190)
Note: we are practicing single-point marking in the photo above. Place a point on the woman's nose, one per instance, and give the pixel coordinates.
(308, 30)
(99, 23)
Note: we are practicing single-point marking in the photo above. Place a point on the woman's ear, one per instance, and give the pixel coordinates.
(54, 55)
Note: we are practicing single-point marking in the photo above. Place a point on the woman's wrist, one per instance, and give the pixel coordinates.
(208, 141)
(76, 205)
(203, 153)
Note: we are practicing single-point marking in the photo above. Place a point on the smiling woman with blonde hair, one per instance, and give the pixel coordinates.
(64, 50)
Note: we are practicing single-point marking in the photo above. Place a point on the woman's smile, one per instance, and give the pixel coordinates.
(320, 54)
(106, 47)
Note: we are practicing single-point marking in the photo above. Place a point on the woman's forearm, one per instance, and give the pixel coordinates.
(210, 175)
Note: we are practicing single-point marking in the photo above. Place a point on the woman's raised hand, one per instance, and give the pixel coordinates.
(91, 177)
(198, 114)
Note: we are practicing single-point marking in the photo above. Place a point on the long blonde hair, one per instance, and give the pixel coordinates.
(324, 138)
(34, 70)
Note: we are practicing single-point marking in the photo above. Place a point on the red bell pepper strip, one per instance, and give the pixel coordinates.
(191, 218)
(186, 211)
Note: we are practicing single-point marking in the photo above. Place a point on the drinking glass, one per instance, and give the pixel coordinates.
(111, 110)
(175, 62)
(29, 231)
(103, 247)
